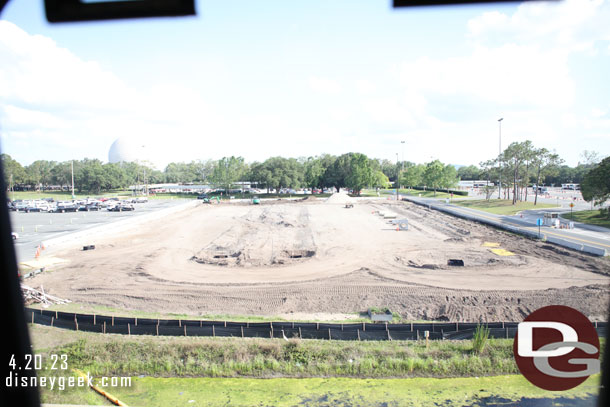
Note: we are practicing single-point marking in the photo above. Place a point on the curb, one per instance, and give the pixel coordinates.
(592, 250)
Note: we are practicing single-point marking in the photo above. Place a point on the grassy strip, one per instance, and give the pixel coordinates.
(119, 312)
(64, 394)
(229, 371)
(593, 217)
(513, 390)
(65, 195)
(417, 193)
(110, 355)
(501, 206)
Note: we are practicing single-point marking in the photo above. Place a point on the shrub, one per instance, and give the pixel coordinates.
(479, 340)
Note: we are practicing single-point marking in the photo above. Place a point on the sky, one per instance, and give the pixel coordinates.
(302, 78)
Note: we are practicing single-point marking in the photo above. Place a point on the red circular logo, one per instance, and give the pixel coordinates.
(556, 348)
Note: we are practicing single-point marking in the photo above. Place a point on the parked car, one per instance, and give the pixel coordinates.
(66, 206)
(120, 207)
(92, 206)
(15, 235)
(42, 206)
(21, 205)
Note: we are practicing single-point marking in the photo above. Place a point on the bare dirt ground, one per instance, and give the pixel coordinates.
(317, 257)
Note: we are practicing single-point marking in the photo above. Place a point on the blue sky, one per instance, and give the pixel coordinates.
(302, 78)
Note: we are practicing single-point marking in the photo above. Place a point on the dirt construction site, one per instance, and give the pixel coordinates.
(318, 259)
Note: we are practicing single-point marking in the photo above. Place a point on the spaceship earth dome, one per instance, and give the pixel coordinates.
(126, 149)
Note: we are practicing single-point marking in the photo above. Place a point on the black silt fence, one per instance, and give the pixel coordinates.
(305, 330)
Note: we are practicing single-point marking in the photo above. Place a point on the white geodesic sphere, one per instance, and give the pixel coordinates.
(126, 149)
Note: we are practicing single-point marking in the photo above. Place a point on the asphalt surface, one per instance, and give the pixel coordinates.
(36, 227)
(590, 235)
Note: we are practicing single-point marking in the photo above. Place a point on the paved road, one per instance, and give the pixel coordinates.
(36, 227)
(590, 235)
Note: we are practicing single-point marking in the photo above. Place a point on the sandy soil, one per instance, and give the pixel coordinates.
(319, 257)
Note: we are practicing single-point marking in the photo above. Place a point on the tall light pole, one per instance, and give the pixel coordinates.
(499, 157)
(403, 158)
(397, 177)
(72, 170)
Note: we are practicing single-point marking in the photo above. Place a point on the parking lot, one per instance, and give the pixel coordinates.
(36, 227)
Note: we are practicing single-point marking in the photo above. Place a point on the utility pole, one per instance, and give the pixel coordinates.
(13, 189)
(499, 158)
(397, 177)
(72, 169)
(402, 169)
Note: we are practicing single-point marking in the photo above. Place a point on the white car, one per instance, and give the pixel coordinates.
(15, 235)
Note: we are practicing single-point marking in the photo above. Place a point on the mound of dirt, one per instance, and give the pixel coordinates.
(340, 198)
(309, 198)
(262, 237)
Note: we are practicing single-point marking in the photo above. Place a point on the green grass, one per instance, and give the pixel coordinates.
(593, 217)
(118, 312)
(235, 371)
(66, 196)
(328, 392)
(62, 196)
(417, 193)
(119, 355)
(501, 206)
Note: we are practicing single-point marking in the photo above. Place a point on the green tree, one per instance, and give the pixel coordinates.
(413, 175)
(203, 169)
(114, 177)
(181, 172)
(489, 171)
(61, 174)
(90, 176)
(284, 172)
(336, 174)
(433, 175)
(545, 163)
(39, 173)
(359, 174)
(514, 158)
(314, 169)
(469, 173)
(449, 177)
(14, 173)
(227, 171)
(596, 184)
(380, 180)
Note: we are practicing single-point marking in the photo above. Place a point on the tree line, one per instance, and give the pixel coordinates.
(519, 165)
(354, 171)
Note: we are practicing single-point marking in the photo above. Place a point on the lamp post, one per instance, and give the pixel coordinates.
(397, 177)
(402, 167)
(499, 157)
(72, 171)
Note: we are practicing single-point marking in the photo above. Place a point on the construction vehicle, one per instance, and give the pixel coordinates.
(209, 200)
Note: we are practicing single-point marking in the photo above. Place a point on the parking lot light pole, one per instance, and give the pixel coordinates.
(72, 168)
(403, 158)
(397, 177)
(499, 158)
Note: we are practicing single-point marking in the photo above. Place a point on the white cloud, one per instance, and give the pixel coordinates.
(324, 85)
(365, 87)
(571, 24)
(36, 71)
(510, 74)
(57, 100)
